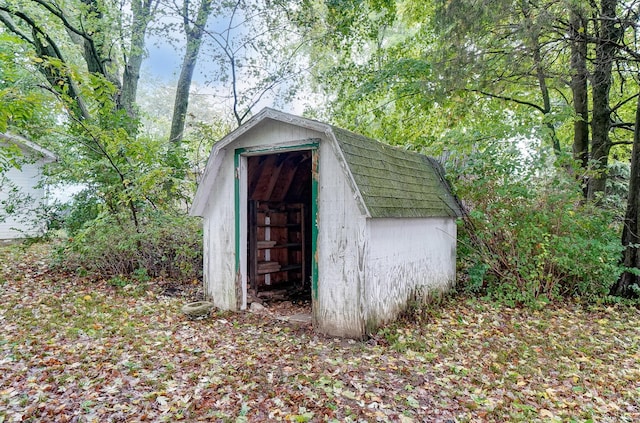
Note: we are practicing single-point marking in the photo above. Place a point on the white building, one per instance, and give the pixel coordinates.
(24, 183)
(290, 202)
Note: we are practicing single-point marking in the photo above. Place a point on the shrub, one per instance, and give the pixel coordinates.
(164, 245)
(84, 208)
(529, 236)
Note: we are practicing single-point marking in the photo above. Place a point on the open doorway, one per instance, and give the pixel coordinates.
(279, 227)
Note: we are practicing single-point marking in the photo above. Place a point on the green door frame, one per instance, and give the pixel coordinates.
(239, 202)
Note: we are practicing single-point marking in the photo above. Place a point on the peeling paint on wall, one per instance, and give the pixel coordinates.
(407, 259)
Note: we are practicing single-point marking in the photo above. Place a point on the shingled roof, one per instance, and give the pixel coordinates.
(394, 182)
(390, 181)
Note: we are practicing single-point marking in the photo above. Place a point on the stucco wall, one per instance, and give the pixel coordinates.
(407, 258)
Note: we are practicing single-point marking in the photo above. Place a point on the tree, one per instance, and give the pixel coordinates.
(24, 109)
(579, 85)
(608, 34)
(475, 75)
(628, 285)
(96, 80)
(629, 282)
(411, 62)
(89, 26)
(543, 63)
(255, 48)
(193, 27)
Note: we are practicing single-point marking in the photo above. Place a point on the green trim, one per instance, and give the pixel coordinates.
(314, 223)
(308, 144)
(236, 171)
(312, 145)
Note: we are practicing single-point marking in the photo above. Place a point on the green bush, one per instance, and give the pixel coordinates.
(84, 208)
(529, 237)
(162, 246)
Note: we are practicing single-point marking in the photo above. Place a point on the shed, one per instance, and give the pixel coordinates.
(25, 184)
(360, 226)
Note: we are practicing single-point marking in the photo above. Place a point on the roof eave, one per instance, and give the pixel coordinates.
(47, 155)
(347, 170)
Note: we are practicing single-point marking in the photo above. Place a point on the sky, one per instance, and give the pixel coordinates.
(164, 60)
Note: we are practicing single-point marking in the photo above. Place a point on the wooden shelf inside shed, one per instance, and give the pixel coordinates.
(276, 244)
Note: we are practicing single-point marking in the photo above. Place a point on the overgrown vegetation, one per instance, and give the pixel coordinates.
(461, 78)
(163, 245)
(529, 237)
(73, 88)
(485, 85)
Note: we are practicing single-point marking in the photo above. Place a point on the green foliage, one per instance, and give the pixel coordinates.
(450, 78)
(100, 146)
(14, 202)
(123, 225)
(365, 17)
(162, 246)
(26, 108)
(125, 172)
(9, 157)
(529, 237)
(618, 174)
(84, 208)
(118, 281)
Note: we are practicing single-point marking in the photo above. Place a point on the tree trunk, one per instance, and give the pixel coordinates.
(533, 34)
(141, 15)
(607, 37)
(577, 33)
(630, 235)
(194, 41)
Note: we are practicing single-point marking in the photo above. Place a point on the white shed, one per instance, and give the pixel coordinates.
(25, 184)
(362, 227)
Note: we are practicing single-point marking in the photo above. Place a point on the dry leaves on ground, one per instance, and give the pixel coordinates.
(73, 349)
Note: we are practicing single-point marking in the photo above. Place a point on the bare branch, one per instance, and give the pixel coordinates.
(621, 143)
(623, 102)
(509, 98)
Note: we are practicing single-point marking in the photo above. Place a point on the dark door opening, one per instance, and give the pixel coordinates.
(279, 199)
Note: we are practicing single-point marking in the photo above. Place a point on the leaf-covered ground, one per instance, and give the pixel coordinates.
(73, 349)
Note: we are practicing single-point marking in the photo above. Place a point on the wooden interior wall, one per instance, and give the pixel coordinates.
(283, 177)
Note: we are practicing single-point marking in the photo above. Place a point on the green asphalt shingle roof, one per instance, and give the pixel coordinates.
(394, 182)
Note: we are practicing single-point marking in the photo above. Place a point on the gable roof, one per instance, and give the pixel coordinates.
(388, 181)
